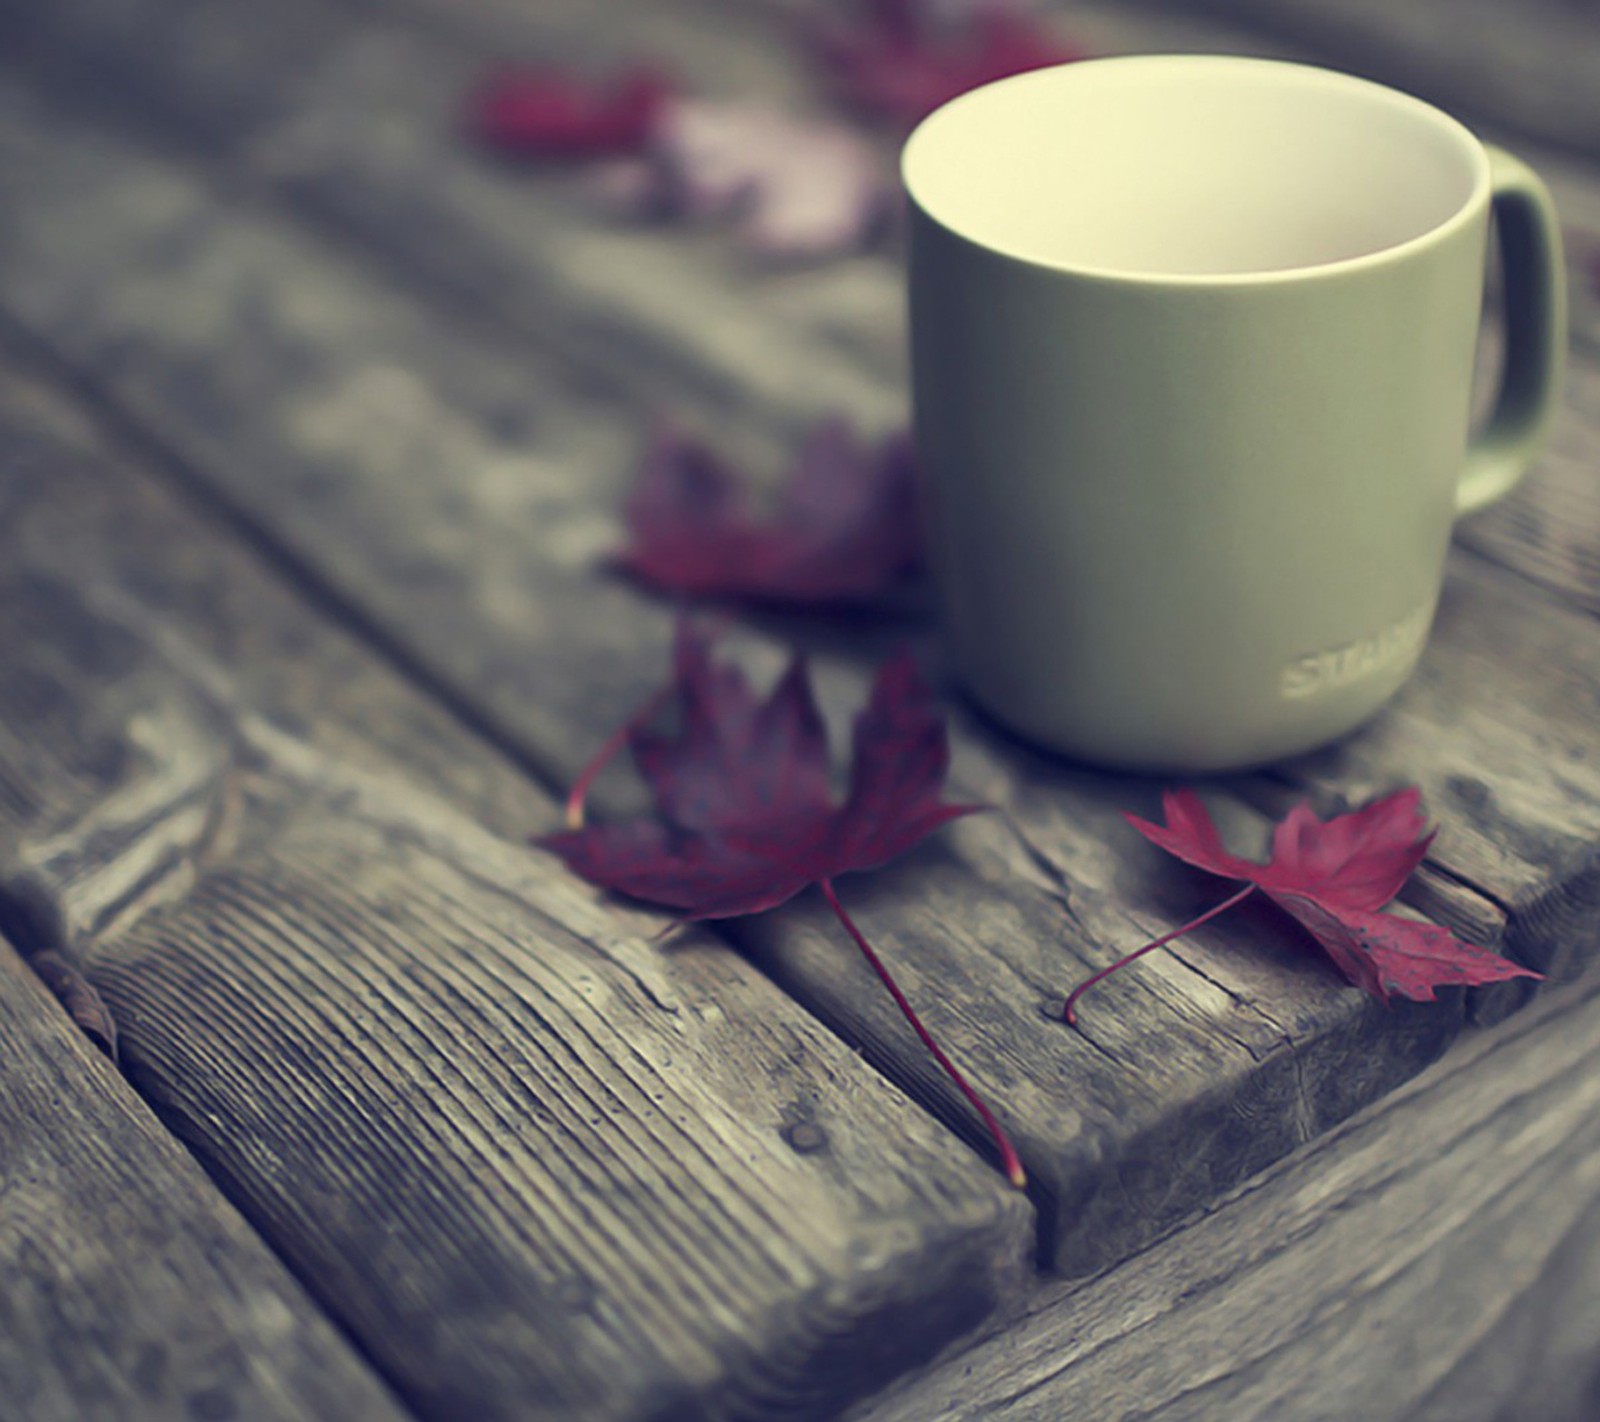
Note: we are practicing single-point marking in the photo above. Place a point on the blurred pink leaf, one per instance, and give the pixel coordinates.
(904, 58)
(548, 114)
(844, 528)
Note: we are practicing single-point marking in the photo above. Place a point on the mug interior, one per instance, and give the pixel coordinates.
(1191, 165)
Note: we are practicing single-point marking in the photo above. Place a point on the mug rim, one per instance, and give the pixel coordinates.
(1475, 201)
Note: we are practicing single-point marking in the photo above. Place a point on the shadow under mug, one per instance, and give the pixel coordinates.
(1192, 347)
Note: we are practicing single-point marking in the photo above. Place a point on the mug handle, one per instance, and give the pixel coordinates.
(1536, 335)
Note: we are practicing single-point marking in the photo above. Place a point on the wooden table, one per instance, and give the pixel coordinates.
(314, 421)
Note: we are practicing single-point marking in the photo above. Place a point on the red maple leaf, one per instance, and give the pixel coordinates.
(898, 64)
(1333, 877)
(844, 529)
(744, 814)
(549, 114)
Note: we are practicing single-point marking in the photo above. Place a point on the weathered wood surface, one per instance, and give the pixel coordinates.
(132, 1288)
(1549, 528)
(536, 1165)
(354, 118)
(1437, 1259)
(440, 456)
(324, 404)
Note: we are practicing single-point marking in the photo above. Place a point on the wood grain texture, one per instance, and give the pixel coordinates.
(133, 1289)
(322, 403)
(328, 427)
(535, 658)
(536, 1164)
(1436, 1259)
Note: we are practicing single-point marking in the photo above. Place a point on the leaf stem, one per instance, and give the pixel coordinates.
(1009, 1159)
(1070, 1011)
(608, 752)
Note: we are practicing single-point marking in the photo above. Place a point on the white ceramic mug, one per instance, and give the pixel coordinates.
(1193, 343)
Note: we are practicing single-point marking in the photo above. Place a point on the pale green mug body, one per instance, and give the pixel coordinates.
(1193, 343)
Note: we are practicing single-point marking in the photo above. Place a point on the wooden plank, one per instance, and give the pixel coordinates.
(329, 429)
(537, 1166)
(541, 672)
(133, 1289)
(1438, 1257)
(864, 331)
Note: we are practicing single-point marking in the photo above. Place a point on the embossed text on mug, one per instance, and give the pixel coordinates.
(1333, 667)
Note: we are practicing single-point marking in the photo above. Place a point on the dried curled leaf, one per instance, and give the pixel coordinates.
(74, 991)
(901, 59)
(844, 529)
